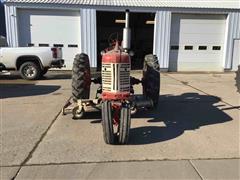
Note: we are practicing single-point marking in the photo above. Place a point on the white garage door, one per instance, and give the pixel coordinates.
(197, 42)
(53, 28)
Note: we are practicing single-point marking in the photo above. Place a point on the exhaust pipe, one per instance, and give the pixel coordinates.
(126, 33)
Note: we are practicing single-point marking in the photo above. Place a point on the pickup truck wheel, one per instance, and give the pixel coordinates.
(30, 71)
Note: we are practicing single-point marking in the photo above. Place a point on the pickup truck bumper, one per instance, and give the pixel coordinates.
(57, 63)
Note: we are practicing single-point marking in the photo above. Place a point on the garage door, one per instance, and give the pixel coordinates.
(52, 28)
(197, 42)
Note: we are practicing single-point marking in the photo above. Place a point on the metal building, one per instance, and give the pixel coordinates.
(194, 35)
(2, 21)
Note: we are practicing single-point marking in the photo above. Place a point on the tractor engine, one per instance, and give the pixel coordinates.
(116, 75)
(116, 68)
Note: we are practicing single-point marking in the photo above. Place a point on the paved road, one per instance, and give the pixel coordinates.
(193, 134)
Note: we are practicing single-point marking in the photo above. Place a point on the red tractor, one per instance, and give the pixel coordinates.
(115, 96)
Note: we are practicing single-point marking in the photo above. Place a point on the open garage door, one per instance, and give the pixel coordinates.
(197, 42)
(51, 28)
(110, 26)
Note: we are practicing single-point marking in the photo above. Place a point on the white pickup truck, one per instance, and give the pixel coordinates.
(31, 62)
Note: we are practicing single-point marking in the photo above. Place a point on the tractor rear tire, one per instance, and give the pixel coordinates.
(238, 79)
(107, 123)
(81, 77)
(125, 123)
(151, 78)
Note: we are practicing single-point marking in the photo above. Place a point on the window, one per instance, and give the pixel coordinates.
(73, 45)
(43, 45)
(202, 47)
(188, 47)
(216, 48)
(30, 44)
(174, 47)
(58, 45)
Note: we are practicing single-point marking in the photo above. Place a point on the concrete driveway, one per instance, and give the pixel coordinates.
(193, 134)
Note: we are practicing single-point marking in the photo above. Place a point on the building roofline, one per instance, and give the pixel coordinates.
(152, 4)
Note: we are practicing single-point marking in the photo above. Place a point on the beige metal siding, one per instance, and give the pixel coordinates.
(236, 54)
(88, 35)
(232, 32)
(162, 37)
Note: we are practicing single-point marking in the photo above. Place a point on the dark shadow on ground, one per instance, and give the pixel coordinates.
(57, 76)
(21, 90)
(189, 111)
(94, 117)
(51, 75)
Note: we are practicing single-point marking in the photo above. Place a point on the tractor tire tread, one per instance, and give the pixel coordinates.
(80, 88)
(125, 123)
(107, 124)
(151, 78)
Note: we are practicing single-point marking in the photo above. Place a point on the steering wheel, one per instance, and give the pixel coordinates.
(113, 37)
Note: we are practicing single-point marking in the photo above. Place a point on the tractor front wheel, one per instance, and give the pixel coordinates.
(125, 123)
(107, 122)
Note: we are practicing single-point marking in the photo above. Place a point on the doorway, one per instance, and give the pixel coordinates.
(110, 26)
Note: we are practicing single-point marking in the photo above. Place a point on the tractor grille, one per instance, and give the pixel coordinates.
(116, 77)
(106, 77)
